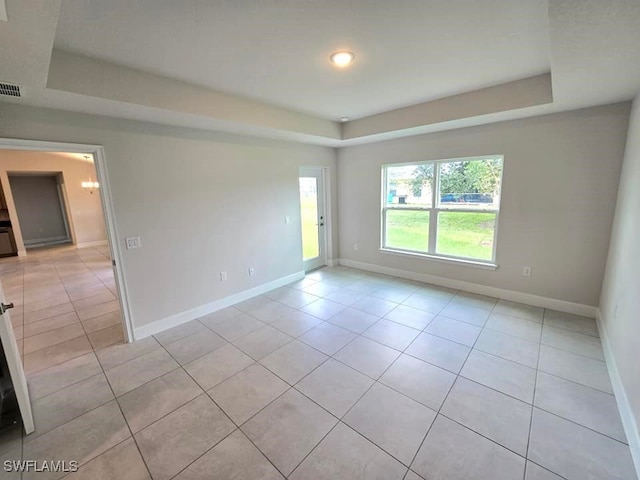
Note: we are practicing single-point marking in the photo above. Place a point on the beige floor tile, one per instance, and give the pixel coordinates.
(421, 381)
(296, 323)
(520, 310)
(577, 368)
(215, 367)
(583, 405)
(50, 356)
(140, 370)
(334, 386)
(181, 331)
(356, 321)
(64, 405)
(81, 439)
(115, 355)
(122, 462)
(454, 452)
(454, 330)
(175, 441)
(367, 356)
(410, 317)
(293, 361)
(155, 399)
(573, 342)
(568, 321)
(573, 451)
(93, 311)
(247, 392)
(516, 327)
(327, 338)
(262, 342)
(233, 458)
(236, 327)
(345, 454)
(103, 321)
(503, 375)
(102, 297)
(108, 336)
(510, 348)
(288, 429)
(392, 421)
(188, 349)
(52, 323)
(439, 351)
(492, 414)
(62, 375)
(35, 316)
(52, 337)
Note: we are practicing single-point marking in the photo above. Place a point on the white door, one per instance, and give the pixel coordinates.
(15, 363)
(312, 216)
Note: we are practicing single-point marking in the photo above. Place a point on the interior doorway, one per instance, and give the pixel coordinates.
(89, 267)
(313, 217)
(41, 208)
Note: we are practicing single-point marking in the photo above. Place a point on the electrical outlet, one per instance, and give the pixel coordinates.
(223, 276)
(133, 242)
(355, 246)
(526, 271)
(252, 271)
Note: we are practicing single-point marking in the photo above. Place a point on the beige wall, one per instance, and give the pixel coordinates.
(86, 220)
(620, 302)
(201, 202)
(560, 180)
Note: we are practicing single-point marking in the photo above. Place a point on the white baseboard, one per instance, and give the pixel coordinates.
(333, 263)
(529, 299)
(188, 315)
(624, 407)
(97, 243)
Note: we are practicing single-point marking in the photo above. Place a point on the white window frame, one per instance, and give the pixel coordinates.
(434, 210)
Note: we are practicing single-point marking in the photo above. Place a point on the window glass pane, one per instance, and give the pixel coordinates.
(466, 234)
(409, 185)
(407, 229)
(470, 184)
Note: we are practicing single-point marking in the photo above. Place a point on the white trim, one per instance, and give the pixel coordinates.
(624, 407)
(441, 258)
(520, 297)
(188, 315)
(333, 263)
(22, 253)
(97, 243)
(100, 162)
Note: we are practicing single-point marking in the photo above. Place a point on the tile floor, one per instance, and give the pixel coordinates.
(342, 375)
(65, 303)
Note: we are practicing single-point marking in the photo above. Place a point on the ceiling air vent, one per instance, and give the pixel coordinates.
(10, 90)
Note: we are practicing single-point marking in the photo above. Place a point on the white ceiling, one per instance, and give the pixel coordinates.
(276, 51)
(171, 62)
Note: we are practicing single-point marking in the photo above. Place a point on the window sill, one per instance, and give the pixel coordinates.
(438, 258)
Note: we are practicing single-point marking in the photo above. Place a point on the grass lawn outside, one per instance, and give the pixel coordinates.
(460, 234)
(309, 218)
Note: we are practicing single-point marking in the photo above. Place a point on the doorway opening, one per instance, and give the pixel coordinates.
(82, 284)
(313, 217)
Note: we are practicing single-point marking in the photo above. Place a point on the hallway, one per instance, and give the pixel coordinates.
(65, 304)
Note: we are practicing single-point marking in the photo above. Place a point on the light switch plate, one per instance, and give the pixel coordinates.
(133, 242)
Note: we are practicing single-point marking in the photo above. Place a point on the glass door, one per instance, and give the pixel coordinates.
(312, 217)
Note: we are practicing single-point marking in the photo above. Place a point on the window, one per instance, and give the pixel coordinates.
(443, 208)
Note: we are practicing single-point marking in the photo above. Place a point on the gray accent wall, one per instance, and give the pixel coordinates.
(39, 211)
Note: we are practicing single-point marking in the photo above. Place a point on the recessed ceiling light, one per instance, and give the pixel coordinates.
(344, 119)
(342, 59)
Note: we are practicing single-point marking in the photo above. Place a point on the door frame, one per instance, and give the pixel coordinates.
(325, 234)
(100, 161)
